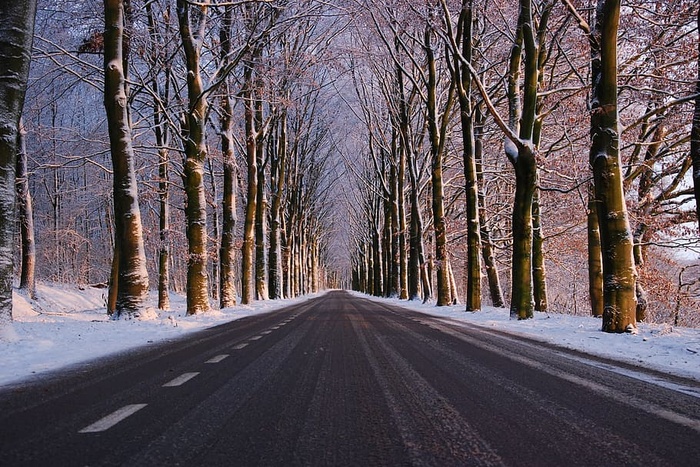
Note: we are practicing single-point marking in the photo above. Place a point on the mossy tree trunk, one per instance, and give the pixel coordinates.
(619, 272)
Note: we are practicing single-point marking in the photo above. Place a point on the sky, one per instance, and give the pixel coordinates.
(68, 325)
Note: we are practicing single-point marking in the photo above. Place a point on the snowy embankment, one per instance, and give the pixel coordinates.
(68, 325)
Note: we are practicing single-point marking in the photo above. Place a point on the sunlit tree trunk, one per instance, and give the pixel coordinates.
(248, 248)
(595, 265)
(16, 34)
(619, 272)
(195, 155)
(132, 281)
(25, 214)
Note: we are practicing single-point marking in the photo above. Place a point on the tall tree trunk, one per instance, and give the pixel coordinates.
(595, 259)
(539, 282)
(403, 228)
(619, 272)
(162, 140)
(395, 276)
(248, 248)
(195, 155)
(487, 248)
(436, 154)
(25, 214)
(227, 252)
(278, 162)
(132, 284)
(215, 273)
(16, 34)
(464, 81)
(260, 205)
(164, 230)
(522, 295)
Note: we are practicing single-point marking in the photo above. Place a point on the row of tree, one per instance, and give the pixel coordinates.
(191, 92)
(542, 82)
(153, 126)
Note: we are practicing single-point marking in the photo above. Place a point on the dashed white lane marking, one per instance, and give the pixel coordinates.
(112, 419)
(217, 359)
(254, 338)
(264, 333)
(240, 346)
(180, 380)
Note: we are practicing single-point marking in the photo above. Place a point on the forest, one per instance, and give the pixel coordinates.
(539, 155)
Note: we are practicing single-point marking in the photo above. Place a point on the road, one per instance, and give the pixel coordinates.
(345, 381)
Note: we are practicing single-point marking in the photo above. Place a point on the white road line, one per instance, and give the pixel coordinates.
(264, 333)
(217, 359)
(112, 419)
(180, 380)
(240, 346)
(254, 338)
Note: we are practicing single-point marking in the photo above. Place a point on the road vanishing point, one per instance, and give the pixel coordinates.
(341, 380)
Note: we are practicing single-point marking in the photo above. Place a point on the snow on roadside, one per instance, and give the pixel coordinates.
(673, 350)
(67, 325)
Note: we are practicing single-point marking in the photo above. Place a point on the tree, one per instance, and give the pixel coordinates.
(619, 272)
(25, 215)
(463, 80)
(695, 136)
(16, 33)
(161, 129)
(131, 279)
(227, 253)
(437, 136)
(192, 28)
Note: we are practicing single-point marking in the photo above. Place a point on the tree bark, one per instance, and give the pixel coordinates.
(487, 248)
(162, 141)
(619, 272)
(27, 281)
(195, 155)
(260, 204)
(277, 175)
(595, 260)
(16, 34)
(439, 227)
(248, 248)
(227, 252)
(464, 81)
(539, 282)
(132, 284)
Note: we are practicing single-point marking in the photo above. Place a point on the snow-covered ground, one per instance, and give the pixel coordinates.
(66, 326)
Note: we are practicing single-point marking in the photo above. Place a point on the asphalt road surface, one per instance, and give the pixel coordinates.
(344, 381)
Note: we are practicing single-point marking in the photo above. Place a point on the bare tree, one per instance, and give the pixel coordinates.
(131, 279)
(16, 33)
(25, 213)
